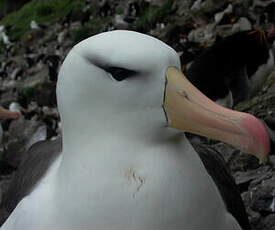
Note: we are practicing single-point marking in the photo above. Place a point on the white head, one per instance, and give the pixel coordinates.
(95, 104)
(90, 95)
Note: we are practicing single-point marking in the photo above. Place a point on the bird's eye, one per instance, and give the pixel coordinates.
(120, 74)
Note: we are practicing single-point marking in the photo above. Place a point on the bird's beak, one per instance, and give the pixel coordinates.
(189, 110)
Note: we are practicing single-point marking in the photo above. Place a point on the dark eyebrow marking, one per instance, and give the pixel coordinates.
(119, 73)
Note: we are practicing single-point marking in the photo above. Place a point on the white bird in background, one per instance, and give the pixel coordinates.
(3, 36)
(34, 25)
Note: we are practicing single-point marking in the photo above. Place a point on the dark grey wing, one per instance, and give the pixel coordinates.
(217, 169)
(38, 160)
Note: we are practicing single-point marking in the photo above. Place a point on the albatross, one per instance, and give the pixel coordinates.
(125, 161)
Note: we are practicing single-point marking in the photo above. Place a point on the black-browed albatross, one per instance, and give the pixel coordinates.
(126, 163)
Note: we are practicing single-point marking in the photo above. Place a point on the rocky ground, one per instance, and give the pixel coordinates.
(28, 75)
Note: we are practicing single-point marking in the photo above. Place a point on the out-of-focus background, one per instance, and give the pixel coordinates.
(35, 37)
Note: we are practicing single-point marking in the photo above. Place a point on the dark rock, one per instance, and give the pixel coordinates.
(254, 217)
(38, 88)
(23, 134)
(17, 72)
(53, 66)
(261, 195)
(244, 178)
(268, 223)
(7, 97)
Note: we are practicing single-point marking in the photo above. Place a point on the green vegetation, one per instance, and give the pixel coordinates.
(45, 10)
(50, 11)
(41, 11)
(2, 6)
(153, 14)
(119, 10)
(80, 34)
(93, 27)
